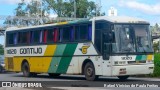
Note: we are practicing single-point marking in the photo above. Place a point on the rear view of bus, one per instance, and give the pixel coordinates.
(126, 46)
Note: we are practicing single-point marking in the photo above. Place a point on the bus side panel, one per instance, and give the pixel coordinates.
(97, 62)
(6, 64)
(61, 62)
(74, 66)
(18, 62)
(37, 64)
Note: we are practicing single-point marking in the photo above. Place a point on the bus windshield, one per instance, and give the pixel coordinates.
(132, 38)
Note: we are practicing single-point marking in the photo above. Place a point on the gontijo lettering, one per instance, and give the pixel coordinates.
(31, 50)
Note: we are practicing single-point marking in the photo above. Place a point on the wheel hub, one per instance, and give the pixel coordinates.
(89, 71)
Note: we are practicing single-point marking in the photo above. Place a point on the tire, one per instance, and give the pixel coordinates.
(33, 74)
(26, 70)
(54, 74)
(123, 77)
(89, 72)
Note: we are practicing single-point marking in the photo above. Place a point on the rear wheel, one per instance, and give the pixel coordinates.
(123, 77)
(54, 74)
(26, 70)
(89, 72)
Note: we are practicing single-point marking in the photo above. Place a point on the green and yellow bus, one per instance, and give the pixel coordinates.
(102, 46)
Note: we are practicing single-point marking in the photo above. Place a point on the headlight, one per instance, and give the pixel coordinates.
(150, 61)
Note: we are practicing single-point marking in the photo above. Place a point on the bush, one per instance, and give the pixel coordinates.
(157, 65)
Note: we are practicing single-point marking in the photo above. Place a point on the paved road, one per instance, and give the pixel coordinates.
(73, 81)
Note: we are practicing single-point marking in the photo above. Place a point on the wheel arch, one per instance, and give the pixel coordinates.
(24, 61)
(84, 63)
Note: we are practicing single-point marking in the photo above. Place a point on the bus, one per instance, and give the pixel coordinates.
(118, 46)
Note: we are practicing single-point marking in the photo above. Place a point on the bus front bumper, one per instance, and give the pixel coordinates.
(132, 70)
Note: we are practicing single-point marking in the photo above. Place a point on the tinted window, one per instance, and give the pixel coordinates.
(77, 35)
(50, 35)
(66, 34)
(10, 39)
(23, 37)
(83, 32)
(35, 36)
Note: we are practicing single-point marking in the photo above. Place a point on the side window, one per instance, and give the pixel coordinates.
(35, 36)
(90, 32)
(15, 38)
(72, 37)
(77, 35)
(66, 34)
(45, 36)
(60, 34)
(53, 35)
(41, 37)
(50, 35)
(83, 32)
(23, 37)
(10, 40)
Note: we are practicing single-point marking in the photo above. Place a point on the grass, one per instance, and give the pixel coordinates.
(156, 72)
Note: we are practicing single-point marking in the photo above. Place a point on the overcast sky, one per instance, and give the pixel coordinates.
(146, 9)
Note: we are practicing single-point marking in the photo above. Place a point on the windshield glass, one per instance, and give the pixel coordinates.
(132, 38)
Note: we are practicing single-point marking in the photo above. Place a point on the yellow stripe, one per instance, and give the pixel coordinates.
(149, 57)
(50, 50)
(60, 23)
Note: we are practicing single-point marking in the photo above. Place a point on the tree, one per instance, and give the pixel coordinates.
(85, 8)
(31, 13)
(155, 28)
(1, 50)
(63, 8)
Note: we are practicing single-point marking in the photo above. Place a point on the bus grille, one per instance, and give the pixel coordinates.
(10, 64)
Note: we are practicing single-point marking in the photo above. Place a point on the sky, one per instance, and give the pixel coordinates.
(145, 9)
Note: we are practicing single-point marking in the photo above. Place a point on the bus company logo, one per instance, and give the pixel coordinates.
(84, 49)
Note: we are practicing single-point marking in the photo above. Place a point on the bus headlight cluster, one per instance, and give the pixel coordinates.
(150, 61)
(119, 62)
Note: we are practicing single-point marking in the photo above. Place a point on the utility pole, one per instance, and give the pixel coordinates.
(41, 9)
(98, 6)
(75, 9)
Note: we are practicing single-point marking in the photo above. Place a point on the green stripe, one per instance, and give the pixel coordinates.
(138, 58)
(144, 57)
(55, 60)
(141, 57)
(65, 61)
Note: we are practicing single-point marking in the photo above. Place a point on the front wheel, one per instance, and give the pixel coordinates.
(89, 72)
(26, 70)
(123, 77)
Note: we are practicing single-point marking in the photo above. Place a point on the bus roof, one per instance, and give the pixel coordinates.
(121, 19)
(47, 25)
(113, 19)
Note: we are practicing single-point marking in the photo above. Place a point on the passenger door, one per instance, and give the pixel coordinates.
(106, 49)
